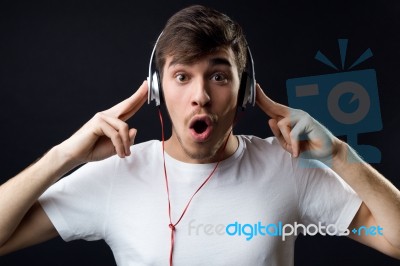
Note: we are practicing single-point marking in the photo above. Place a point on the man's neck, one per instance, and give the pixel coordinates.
(226, 148)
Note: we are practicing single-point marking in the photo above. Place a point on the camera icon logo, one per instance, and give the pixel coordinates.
(347, 102)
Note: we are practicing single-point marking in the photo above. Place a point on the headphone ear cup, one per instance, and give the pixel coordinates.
(154, 81)
(155, 88)
(243, 90)
(247, 91)
(251, 91)
(160, 91)
(249, 82)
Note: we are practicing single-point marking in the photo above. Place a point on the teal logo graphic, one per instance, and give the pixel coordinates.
(346, 102)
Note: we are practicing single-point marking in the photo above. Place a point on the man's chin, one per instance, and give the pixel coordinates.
(203, 154)
(197, 152)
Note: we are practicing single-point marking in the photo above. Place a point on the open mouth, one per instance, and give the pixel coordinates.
(201, 127)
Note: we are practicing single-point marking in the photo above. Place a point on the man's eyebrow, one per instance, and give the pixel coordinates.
(173, 62)
(213, 62)
(220, 61)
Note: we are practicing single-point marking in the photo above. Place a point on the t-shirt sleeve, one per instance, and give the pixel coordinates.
(77, 204)
(323, 196)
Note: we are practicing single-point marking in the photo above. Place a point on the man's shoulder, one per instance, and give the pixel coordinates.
(146, 145)
(267, 148)
(146, 149)
(259, 142)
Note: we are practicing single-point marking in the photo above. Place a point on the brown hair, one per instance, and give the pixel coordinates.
(196, 31)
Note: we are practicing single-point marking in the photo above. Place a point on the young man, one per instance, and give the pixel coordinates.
(204, 196)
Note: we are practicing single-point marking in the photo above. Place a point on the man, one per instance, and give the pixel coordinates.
(163, 202)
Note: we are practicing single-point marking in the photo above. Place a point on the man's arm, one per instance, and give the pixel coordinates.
(381, 201)
(22, 220)
(301, 135)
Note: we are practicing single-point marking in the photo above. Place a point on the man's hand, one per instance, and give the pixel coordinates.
(106, 133)
(297, 131)
(102, 136)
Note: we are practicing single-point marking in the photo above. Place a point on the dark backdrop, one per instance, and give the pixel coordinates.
(62, 61)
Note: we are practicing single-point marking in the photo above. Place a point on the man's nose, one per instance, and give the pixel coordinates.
(201, 95)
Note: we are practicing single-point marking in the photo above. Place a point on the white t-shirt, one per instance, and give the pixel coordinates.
(235, 219)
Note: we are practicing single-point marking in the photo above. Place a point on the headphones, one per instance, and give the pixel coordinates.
(247, 89)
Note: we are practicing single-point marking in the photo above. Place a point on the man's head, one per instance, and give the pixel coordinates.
(201, 55)
(196, 31)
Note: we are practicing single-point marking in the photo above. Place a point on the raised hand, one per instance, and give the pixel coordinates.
(297, 131)
(106, 133)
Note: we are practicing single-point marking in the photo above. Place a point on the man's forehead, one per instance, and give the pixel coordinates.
(220, 57)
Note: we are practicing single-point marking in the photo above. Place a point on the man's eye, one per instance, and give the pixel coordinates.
(219, 77)
(181, 77)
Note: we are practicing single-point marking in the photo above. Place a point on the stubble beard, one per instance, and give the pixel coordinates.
(202, 154)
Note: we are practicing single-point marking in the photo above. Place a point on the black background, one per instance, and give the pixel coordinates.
(62, 61)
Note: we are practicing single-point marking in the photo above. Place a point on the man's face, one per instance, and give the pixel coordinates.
(201, 100)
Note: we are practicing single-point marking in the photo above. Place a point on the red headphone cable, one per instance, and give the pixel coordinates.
(171, 225)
